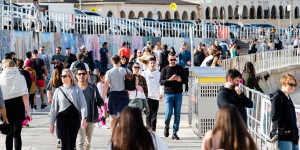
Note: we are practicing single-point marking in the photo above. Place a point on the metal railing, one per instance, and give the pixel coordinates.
(26, 19)
(265, 61)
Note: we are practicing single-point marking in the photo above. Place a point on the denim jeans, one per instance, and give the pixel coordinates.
(287, 145)
(173, 101)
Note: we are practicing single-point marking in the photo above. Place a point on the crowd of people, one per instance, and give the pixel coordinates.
(83, 92)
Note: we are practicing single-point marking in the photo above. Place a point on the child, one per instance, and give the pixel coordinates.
(100, 82)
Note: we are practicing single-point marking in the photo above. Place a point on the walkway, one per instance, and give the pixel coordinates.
(37, 136)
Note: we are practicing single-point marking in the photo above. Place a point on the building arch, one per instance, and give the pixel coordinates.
(245, 12)
(222, 13)
(185, 16)
(131, 15)
(110, 14)
(259, 14)
(281, 12)
(159, 15)
(287, 13)
(230, 12)
(215, 13)
(176, 15)
(252, 12)
(122, 14)
(296, 13)
(193, 15)
(267, 14)
(236, 12)
(207, 13)
(150, 15)
(141, 14)
(167, 15)
(273, 12)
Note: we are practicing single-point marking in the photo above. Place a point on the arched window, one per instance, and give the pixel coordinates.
(252, 12)
(259, 12)
(193, 15)
(236, 12)
(159, 15)
(131, 15)
(281, 12)
(150, 15)
(207, 13)
(167, 15)
(185, 16)
(109, 14)
(230, 12)
(296, 13)
(273, 12)
(122, 14)
(222, 13)
(267, 14)
(215, 13)
(141, 14)
(176, 15)
(245, 12)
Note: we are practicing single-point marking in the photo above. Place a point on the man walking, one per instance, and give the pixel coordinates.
(58, 57)
(231, 94)
(124, 51)
(69, 59)
(118, 97)
(152, 77)
(103, 57)
(172, 78)
(45, 57)
(93, 101)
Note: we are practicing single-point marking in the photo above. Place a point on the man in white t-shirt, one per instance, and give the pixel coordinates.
(152, 76)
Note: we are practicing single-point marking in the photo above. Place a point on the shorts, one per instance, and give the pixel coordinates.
(118, 100)
(40, 83)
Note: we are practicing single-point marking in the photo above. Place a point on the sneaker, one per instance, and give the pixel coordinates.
(175, 137)
(43, 106)
(58, 144)
(166, 132)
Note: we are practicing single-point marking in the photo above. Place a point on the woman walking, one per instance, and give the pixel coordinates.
(15, 95)
(249, 77)
(68, 104)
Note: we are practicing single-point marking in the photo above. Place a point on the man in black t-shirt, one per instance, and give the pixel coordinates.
(41, 74)
(69, 59)
(58, 57)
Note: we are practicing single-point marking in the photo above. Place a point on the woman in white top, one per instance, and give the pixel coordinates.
(15, 95)
(129, 133)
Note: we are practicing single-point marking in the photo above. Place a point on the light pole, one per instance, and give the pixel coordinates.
(80, 4)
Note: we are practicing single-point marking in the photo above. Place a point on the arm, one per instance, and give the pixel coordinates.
(99, 100)
(49, 95)
(163, 79)
(2, 108)
(105, 88)
(245, 100)
(82, 103)
(26, 103)
(275, 111)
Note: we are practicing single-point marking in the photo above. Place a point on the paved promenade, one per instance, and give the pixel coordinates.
(37, 136)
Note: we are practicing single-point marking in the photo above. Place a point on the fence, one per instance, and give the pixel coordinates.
(265, 61)
(26, 19)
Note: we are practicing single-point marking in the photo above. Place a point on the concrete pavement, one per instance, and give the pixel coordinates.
(37, 136)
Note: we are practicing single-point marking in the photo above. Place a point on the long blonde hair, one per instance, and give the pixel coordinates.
(71, 75)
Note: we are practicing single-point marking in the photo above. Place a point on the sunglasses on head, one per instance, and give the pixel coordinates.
(63, 76)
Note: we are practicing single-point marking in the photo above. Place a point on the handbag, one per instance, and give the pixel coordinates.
(69, 112)
(129, 81)
(5, 128)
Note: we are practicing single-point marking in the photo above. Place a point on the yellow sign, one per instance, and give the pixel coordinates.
(94, 9)
(211, 80)
(173, 6)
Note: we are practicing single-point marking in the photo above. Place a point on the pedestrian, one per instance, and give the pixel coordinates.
(93, 101)
(224, 47)
(163, 57)
(80, 59)
(124, 62)
(2, 109)
(32, 90)
(144, 60)
(103, 57)
(199, 54)
(129, 133)
(231, 94)
(213, 56)
(54, 83)
(283, 114)
(15, 95)
(58, 57)
(152, 76)
(45, 57)
(28, 57)
(41, 75)
(13, 57)
(249, 77)
(118, 96)
(218, 47)
(184, 56)
(69, 58)
(100, 83)
(137, 97)
(172, 77)
(88, 58)
(134, 56)
(229, 133)
(124, 51)
(68, 110)
(25, 73)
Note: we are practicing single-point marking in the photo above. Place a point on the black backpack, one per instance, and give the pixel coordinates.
(129, 81)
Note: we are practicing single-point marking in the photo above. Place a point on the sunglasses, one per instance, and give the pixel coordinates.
(136, 67)
(81, 74)
(292, 84)
(64, 76)
(172, 59)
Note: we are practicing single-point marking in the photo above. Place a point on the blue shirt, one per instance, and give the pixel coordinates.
(103, 57)
(184, 57)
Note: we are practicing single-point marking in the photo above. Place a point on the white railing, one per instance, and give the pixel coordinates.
(265, 61)
(20, 18)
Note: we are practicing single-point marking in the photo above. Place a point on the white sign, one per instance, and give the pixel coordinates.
(288, 7)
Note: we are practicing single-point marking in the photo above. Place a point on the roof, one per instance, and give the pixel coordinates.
(147, 2)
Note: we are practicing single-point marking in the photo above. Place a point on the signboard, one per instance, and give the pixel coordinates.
(94, 9)
(173, 6)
